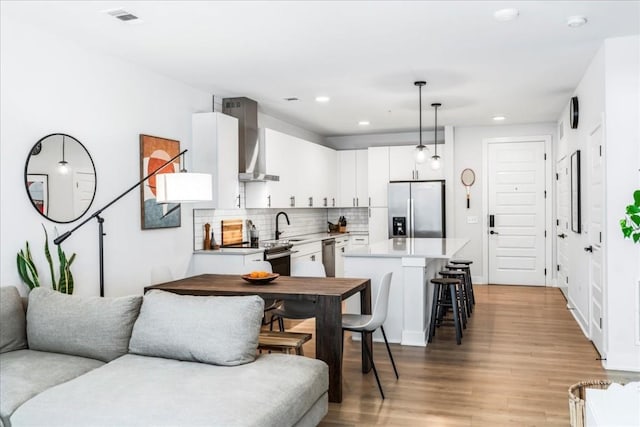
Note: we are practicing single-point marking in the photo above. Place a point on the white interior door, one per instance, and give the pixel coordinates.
(84, 184)
(516, 201)
(563, 198)
(594, 236)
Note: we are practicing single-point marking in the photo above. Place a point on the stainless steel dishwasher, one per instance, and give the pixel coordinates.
(329, 257)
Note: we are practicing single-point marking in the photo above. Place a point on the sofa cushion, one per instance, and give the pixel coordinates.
(216, 330)
(94, 327)
(26, 373)
(13, 333)
(275, 390)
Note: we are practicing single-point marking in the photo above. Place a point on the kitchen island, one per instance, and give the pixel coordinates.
(414, 262)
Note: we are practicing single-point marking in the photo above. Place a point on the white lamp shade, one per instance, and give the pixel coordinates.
(183, 187)
(421, 153)
(435, 163)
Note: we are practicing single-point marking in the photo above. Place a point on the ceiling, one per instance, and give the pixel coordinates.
(364, 55)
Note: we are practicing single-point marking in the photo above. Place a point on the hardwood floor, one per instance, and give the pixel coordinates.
(520, 353)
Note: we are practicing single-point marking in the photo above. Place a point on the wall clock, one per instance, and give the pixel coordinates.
(573, 112)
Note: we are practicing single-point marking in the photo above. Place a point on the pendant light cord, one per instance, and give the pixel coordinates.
(420, 110)
(435, 130)
(420, 84)
(435, 133)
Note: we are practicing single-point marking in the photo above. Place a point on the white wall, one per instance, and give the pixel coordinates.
(50, 85)
(610, 88)
(622, 151)
(468, 154)
(590, 92)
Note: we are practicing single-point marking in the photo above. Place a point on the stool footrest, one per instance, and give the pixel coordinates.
(282, 341)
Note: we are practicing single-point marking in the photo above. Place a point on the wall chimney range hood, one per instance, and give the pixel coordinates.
(251, 158)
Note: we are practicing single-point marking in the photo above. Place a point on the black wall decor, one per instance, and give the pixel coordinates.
(574, 112)
(576, 225)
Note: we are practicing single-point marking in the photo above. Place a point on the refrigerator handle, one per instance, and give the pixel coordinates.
(408, 231)
(412, 226)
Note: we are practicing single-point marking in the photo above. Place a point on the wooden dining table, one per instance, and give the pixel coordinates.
(327, 293)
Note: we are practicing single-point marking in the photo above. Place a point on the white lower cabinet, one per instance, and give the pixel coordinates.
(341, 244)
(306, 252)
(223, 263)
(359, 240)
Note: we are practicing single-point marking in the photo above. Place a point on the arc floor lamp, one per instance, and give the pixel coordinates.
(179, 187)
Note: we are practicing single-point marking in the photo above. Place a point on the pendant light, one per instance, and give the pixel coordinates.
(421, 150)
(63, 167)
(435, 159)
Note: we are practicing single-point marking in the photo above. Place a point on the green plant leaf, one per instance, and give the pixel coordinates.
(635, 219)
(636, 237)
(47, 254)
(26, 268)
(632, 209)
(636, 197)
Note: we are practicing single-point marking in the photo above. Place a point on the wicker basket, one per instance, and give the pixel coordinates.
(577, 393)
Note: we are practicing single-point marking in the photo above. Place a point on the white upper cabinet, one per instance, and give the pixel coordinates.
(402, 163)
(347, 178)
(274, 194)
(403, 166)
(307, 174)
(324, 178)
(362, 178)
(378, 172)
(352, 178)
(215, 151)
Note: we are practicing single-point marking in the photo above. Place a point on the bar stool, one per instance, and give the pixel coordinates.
(460, 275)
(440, 286)
(466, 263)
(465, 269)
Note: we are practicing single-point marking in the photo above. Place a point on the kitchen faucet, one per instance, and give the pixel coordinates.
(278, 233)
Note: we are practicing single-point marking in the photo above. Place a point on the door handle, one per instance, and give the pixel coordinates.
(493, 232)
(492, 220)
(562, 236)
(589, 248)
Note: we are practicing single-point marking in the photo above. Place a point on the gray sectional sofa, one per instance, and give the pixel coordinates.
(157, 360)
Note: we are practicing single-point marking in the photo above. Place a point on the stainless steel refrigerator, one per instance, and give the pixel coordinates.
(416, 209)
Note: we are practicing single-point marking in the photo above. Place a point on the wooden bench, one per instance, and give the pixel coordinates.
(283, 341)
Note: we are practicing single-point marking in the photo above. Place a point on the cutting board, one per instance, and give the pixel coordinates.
(231, 231)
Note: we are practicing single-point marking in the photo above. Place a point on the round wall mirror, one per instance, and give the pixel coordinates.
(60, 178)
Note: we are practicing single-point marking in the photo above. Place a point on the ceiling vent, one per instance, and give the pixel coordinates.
(293, 98)
(122, 15)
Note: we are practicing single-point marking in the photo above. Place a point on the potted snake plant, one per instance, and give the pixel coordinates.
(29, 273)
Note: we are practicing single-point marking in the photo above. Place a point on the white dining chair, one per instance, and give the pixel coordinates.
(300, 309)
(371, 322)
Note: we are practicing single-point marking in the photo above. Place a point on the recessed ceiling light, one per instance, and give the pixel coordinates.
(576, 21)
(499, 118)
(322, 98)
(364, 123)
(122, 15)
(504, 15)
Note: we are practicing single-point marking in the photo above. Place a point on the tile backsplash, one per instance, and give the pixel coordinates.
(303, 221)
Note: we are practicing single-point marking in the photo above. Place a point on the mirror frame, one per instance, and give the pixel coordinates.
(35, 150)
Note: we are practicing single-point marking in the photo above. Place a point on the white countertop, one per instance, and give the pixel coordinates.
(312, 237)
(294, 240)
(230, 251)
(407, 247)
